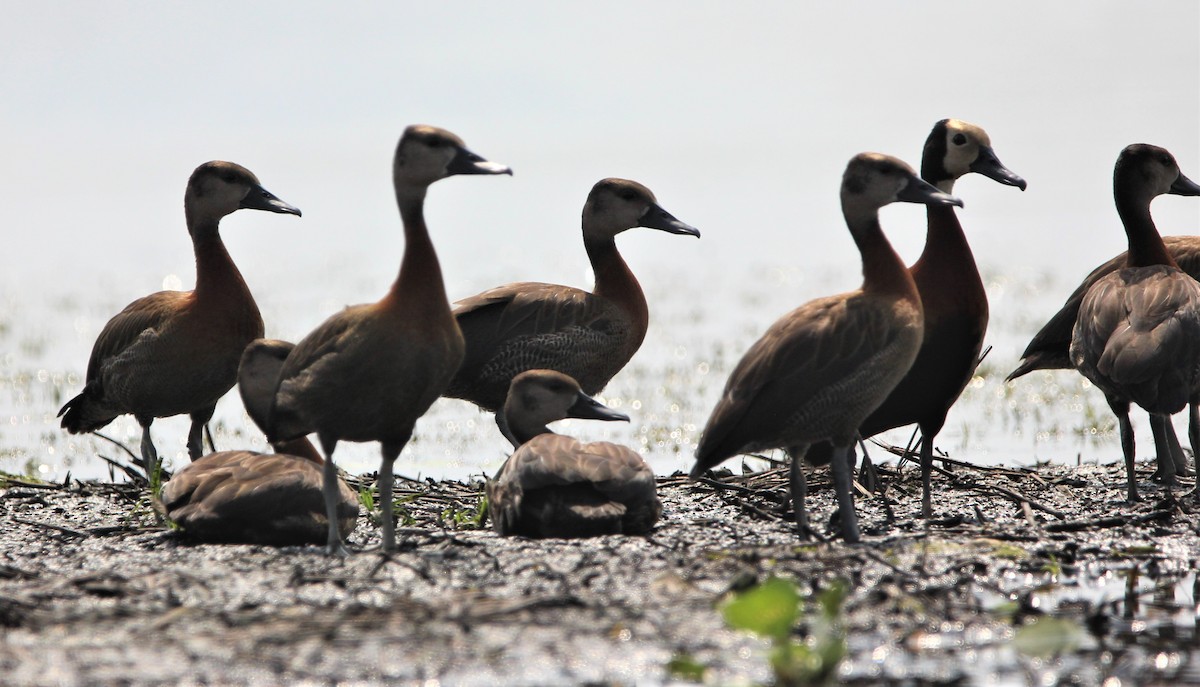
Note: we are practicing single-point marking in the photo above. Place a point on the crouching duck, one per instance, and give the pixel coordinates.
(557, 486)
(246, 497)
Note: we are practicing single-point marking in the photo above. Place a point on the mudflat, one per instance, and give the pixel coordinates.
(93, 590)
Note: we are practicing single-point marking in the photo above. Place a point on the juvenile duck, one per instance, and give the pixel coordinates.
(1050, 347)
(255, 498)
(822, 368)
(556, 486)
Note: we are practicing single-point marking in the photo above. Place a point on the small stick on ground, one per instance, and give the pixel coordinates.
(1028, 515)
(1015, 496)
(56, 528)
(18, 482)
(1102, 523)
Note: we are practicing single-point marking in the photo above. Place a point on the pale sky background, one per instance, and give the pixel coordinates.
(740, 116)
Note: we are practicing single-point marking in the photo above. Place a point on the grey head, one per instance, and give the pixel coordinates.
(1144, 171)
(258, 377)
(426, 154)
(615, 205)
(538, 397)
(218, 188)
(873, 180)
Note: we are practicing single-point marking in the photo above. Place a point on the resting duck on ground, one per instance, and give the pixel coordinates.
(254, 498)
(557, 486)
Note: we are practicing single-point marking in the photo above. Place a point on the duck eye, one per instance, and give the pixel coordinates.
(627, 194)
(959, 139)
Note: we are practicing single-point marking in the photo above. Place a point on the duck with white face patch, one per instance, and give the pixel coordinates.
(952, 295)
(822, 368)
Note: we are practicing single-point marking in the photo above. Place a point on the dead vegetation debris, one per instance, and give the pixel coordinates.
(93, 590)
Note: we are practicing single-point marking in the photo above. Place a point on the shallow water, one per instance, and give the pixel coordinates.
(668, 389)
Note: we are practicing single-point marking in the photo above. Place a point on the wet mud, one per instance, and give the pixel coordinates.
(94, 591)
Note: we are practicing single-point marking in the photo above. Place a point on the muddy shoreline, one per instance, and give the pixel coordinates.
(93, 591)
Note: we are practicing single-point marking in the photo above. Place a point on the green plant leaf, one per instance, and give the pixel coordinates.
(800, 665)
(832, 598)
(768, 610)
(686, 667)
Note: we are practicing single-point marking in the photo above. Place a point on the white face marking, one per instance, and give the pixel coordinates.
(962, 147)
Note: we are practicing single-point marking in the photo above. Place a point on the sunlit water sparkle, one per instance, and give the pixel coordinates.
(668, 389)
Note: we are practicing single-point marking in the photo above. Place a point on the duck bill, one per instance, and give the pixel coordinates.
(656, 217)
(920, 191)
(467, 162)
(260, 198)
(1184, 186)
(990, 166)
(588, 408)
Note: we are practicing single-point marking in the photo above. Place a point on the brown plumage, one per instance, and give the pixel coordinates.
(1137, 336)
(820, 369)
(368, 372)
(952, 295)
(254, 498)
(244, 497)
(1050, 347)
(176, 352)
(556, 486)
(587, 335)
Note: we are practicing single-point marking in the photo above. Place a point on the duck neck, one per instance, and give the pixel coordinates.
(946, 248)
(419, 283)
(615, 281)
(521, 432)
(216, 275)
(883, 270)
(302, 448)
(1146, 246)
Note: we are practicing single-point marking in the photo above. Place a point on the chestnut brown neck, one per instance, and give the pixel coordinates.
(947, 255)
(419, 287)
(884, 273)
(615, 281)
(522, 430)
(1145, 244)
(300, 447)
(217, 278)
